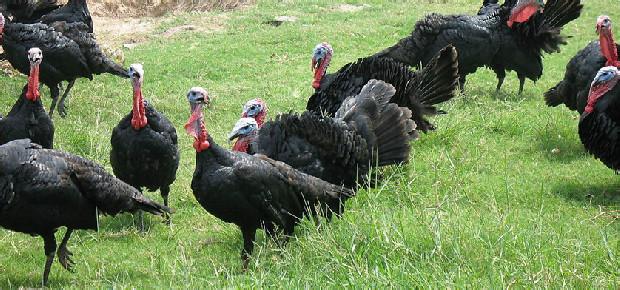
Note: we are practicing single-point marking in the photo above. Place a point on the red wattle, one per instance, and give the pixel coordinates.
(318, 75)
(33, 84)
(201, 145)
(138, 120)
(608, 47)
(596, 92)
(195, 127)
(260, 119)
(522, 14)
(241, 145)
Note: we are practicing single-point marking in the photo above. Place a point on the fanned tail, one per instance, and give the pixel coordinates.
(386, 127)
(434, 84)
(542, 31)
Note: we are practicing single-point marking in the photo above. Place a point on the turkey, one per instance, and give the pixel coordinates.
(27, 118)
(513, 37)
(70, 52)
(573, 90)
(251, 191)
(48, 12)
(599, 126)
(42, 190)
(419, 91)
(340, 150)
(144, 144)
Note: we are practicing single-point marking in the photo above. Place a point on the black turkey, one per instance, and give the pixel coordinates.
(42, 190)
(70, 52)
(419, 91)
(144, 144)
(513, 37)
(573, 90)
(366, 131)
(599, 126)
(27, 118)
(48, 12)
(251, 191)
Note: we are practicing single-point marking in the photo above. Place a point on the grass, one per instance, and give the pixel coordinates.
(483, 202)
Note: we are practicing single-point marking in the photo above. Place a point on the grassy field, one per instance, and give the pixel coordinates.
(483, 202)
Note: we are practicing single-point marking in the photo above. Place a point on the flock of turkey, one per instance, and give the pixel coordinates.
(299, 164)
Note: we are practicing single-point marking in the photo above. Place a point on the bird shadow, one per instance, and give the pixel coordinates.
(501, 95)
(128, 222)
(593, 194)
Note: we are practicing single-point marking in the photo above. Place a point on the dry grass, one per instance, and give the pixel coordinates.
(119, 8)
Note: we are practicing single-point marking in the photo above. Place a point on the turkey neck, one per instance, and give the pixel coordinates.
(243, 144)
(608, 47)
(33, 83)
(596, 92)
(138, 120)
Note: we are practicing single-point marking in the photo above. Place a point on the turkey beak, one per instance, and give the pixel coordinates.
(234, 134)
(316, 63)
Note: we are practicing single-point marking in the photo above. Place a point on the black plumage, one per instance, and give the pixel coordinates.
(599, 126)
(70, 52)
(42, 190)
(366, 131)
(573, 90)
(487, 40)
(251, 191)
(419, 91)
(144, 145)
(48, 12)
(27, 118)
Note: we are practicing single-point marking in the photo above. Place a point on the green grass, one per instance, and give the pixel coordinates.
(482, 203)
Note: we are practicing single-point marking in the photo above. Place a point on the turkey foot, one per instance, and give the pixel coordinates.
(64, 255)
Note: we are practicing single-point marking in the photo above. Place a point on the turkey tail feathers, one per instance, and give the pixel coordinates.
(437, 81)
(391, 125)
(553, 97)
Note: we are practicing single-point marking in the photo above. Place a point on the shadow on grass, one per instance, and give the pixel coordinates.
(128, 222)
(594, 194)
(504, 94)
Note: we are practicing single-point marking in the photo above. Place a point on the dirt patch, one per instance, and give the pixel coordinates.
(127, 8)
(128, 32)
(350, 7)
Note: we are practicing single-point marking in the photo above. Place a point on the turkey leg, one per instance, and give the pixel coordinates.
(54, 92)
(248, 245)
(50, 249)
(62, 110)
(165, 191)
(521, 83)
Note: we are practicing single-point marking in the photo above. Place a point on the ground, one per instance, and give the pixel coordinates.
(502, 194)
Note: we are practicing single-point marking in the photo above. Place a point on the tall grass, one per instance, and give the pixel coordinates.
(485, 201)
